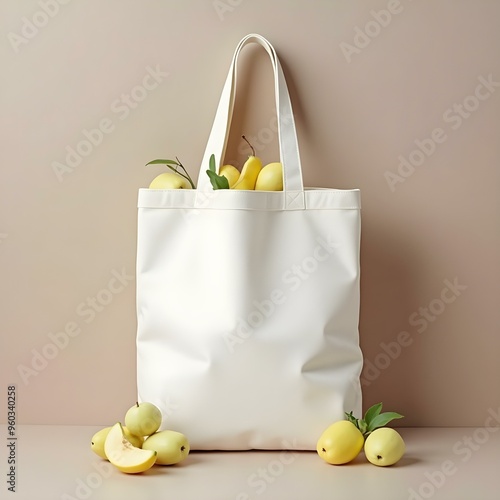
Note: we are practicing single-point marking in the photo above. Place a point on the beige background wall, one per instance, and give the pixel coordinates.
(62, 239)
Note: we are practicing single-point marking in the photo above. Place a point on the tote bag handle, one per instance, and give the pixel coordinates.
(293, 186)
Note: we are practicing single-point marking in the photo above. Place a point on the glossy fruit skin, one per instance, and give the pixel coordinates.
(124, 456)
(270, 178)
(232, 174)
(143, 419)
(99, 438)
(249, 174)
(171, 447)
(169, 180)
(97, 443)
(340, 443)
(384, 447)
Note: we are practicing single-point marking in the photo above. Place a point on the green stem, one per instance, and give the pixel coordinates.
(187, 176)
(253, 150)
(182, 175)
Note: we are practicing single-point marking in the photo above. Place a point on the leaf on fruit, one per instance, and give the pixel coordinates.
(211, 164)
(362, 426)
(349, 416)
(372, 412)
(373, 419)
(163, 162)
(383, 419)
(174, 165)
(218, 181)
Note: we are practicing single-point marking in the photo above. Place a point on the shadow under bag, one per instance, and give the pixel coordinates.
(248, 301)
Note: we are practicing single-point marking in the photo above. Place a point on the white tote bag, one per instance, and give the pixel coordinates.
(248, 301)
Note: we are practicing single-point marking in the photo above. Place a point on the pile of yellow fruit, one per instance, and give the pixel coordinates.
(343, 441)
(138, 445)
(253, 175)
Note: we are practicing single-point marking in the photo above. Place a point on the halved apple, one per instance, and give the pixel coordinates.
(99, 438)
(123, 455)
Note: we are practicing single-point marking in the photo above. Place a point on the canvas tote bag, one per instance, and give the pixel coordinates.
(248, 301)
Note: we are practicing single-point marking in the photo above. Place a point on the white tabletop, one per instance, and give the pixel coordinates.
(55, 462)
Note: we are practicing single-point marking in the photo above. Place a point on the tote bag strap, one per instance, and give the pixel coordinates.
(293, 186)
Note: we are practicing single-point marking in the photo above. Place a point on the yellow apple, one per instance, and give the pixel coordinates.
(384, 446)
(270, 178)
(143, 419)
(123, 455)
(97, 443)
(232, 174)
(170, 180)
(171, 447)
(340, 443)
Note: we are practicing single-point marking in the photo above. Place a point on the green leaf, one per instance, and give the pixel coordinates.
(163, 162)
(218, 181)
(212, 164)
(362, 426)
(349, 416)
(372, 412)
(383, 419)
